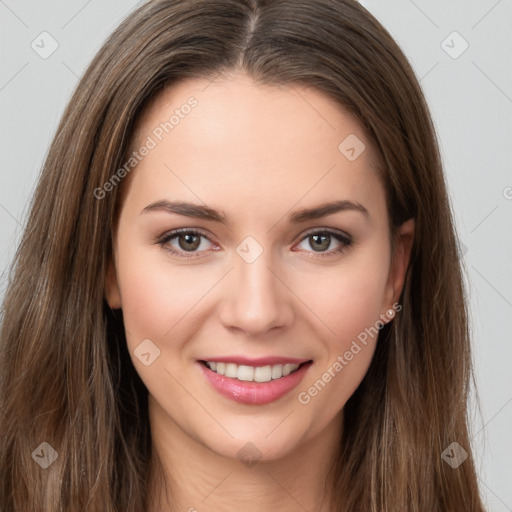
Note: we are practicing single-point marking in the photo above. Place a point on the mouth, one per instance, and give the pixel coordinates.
(254, 384)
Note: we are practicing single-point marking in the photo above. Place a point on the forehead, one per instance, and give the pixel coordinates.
(231, 135)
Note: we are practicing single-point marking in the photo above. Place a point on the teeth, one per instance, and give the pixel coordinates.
(231, 370)
(245, 373)
(252, 373)
(263, 373)
(277, 371)
(287, 369)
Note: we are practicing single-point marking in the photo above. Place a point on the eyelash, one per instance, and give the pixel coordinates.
(167, 237)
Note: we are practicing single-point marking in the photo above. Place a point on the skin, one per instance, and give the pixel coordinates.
(257, 154)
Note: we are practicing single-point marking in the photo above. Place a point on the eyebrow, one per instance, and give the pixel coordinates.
(206, 213)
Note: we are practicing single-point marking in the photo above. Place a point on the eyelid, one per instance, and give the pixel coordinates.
(314, 231)
(344, 239)
(174, 232)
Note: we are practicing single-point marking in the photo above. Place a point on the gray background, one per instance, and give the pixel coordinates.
(470, 95)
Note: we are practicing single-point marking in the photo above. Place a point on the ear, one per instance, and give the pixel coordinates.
(112, 293)
(399, 263)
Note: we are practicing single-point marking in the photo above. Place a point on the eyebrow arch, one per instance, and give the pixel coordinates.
(206, 213)
(327, 209)
(187, 209)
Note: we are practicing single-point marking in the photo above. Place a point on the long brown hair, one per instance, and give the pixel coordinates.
(66, 376)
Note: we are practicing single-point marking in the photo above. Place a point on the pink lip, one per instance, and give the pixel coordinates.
(254, 393)
(259, 361)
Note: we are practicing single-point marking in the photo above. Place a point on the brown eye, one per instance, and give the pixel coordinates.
(186, 243)
(189, 242)
(320, 242)
(325, 242)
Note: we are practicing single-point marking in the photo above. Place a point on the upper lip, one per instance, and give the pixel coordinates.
(259, 361)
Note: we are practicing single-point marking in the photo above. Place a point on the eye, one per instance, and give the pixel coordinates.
(322, 240)
(190, 243)
(186, 243)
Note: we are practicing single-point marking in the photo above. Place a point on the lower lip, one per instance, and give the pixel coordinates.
(254, 393)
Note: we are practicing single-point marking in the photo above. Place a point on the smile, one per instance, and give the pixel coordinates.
(254, 384)
(252, 373)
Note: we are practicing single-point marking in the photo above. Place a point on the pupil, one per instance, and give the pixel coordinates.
(323, 245)
(190, 243)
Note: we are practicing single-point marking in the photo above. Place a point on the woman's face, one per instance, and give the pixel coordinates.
(263, 274)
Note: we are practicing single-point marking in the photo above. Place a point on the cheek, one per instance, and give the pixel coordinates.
(145, 314)
(346, 299)
(348, 302)
(155, 295)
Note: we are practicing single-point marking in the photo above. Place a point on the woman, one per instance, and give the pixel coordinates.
(241, 271)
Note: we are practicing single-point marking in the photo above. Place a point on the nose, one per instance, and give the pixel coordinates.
(255, 297)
